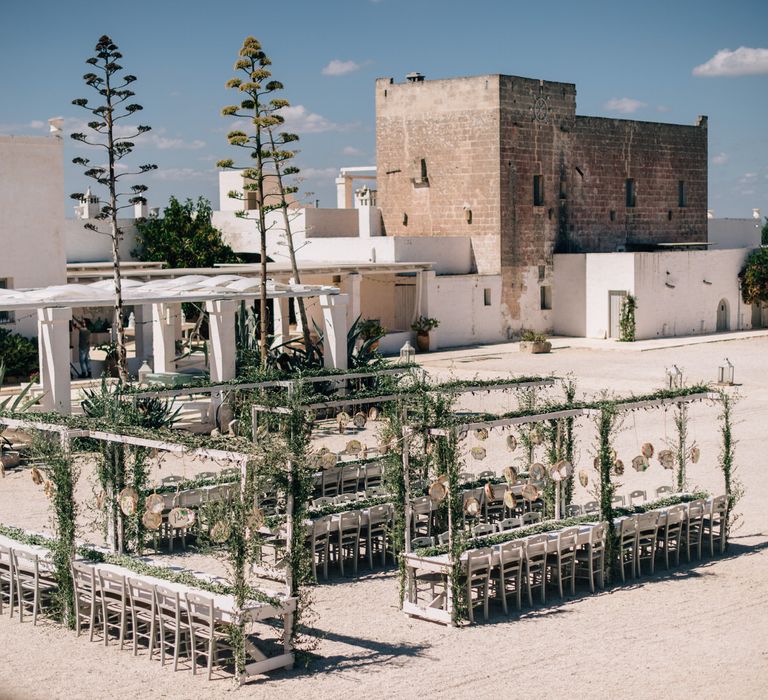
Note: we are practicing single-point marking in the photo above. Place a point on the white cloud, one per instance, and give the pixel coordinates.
(623, 105)
(178, 174)
(318, 173)
(165, 143)
(337, 67)
(351, 151)
(720, 159)
(742, 61)
(299, 118)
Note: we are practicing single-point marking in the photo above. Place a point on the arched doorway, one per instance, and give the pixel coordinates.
(723, 316)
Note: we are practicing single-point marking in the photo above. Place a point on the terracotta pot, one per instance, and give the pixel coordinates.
(422, 341)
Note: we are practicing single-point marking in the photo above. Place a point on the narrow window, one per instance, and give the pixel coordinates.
(542, 272)
(546, 298)
(6, 316)
(630, 192)
(563, 188)
(424, 170)
(486, 297)
(681, 193)
(613, 215)
(538, 190)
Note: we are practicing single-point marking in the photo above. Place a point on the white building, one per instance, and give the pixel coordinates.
(31, 202)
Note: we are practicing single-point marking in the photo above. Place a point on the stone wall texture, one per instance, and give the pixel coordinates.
(458, 157)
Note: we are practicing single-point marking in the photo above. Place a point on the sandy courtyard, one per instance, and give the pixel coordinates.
(700, 630)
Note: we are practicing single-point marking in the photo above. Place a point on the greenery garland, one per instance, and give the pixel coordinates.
(734, 490)
(606, 424)
(681, 425)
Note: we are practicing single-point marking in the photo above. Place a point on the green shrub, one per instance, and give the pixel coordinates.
(18, 353)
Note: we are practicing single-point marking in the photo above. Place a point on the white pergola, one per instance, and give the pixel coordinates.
(160, 301)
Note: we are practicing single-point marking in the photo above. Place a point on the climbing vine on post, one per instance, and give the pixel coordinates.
(606, 423)
(734, 489)
(627, 319)
(681, 424)
(569, 438)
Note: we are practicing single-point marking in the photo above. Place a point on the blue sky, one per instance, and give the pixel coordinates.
(631, 60)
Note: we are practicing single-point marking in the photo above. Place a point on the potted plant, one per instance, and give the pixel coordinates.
(534, 343)
(110, 358)
(371, 329)
(422, 325)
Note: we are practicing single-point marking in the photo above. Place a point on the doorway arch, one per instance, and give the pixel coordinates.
(723, 316)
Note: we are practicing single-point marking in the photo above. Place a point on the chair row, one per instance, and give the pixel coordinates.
(482, 530)
(169, 623)
(348, 478)
(26, 582)
(618, 501)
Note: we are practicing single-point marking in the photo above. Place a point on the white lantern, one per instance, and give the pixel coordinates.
(407, 354)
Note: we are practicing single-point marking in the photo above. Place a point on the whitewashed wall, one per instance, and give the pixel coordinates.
(569, 295)
(31, 217)
(734, 233)
(83, 245)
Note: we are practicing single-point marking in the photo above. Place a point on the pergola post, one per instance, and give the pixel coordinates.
(54, 357)
(280, 314)
(424, 280)
(335, 338)
(163, 338)
(221, 321)
(352, 288)
(143, 332)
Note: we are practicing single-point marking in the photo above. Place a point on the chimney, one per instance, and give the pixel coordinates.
(140, 210)
(89, 207)
(756, 214)
(414, 77)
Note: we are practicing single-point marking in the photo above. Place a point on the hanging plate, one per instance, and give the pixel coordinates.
(360, 420)
(695, 454)
(154, 503)
(565, 468)
(667, 459)
(530, 492)
(511, 443)
(342, 418)
(640, 463)
(618, 467)
(443, 479)
(537, 471)
(536, 437)
(510, 474)
(328, 460)
(255, 519)
(373, 413)
(220, 532)
(354, 447)
(37, 476)
(128, 500)
(471, 506)
(481, 434)
(181, 518)
(554, 473)
(437, 491)
(48, 488)
(583, 477)
(152, 520)
(647, 450)
(509, 500)
(488, 489)
(478, 453)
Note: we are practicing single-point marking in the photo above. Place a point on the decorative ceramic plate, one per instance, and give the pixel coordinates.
(471, 506)
(489, 492)
(481, 434)
(373, 413)
(583, 477)
(328, 460)
(536, 437)
(360, 419)
(37, 477)
(695, 454)
(354, 447)
(509, 500)
(667, 459)
(437, 491)
(511, 443)
(530, 492)
(537, 471)
(152, 520)
(342, 418)
(647, 450)
(510, 474)
(565, 468)
(478, 453)
(180, 518)
(255, 519)
(618, 467)
(554, 473)
(640, 463)
(128, 500)
(154, 503)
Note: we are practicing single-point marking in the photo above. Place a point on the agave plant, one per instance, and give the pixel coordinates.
(19, 403)
(109, 402)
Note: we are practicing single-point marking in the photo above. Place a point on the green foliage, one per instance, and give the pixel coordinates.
(424, 324)
(18, 355)
(681, 426)
(627, 319)
(606, 425)
(18, 403)
(754, 277)
(764, 233)
(183, 237)
(734, 489)
(529, 336)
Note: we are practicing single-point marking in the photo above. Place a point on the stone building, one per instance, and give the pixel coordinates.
(506, 161)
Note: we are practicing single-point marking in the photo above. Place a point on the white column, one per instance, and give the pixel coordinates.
(368, 221)
(143, 333)
(425, 304)
(281, 318)
(54, 356)
(221, 322)
(163, 338)
(344, 194)
(352, 289)
(335, 332)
